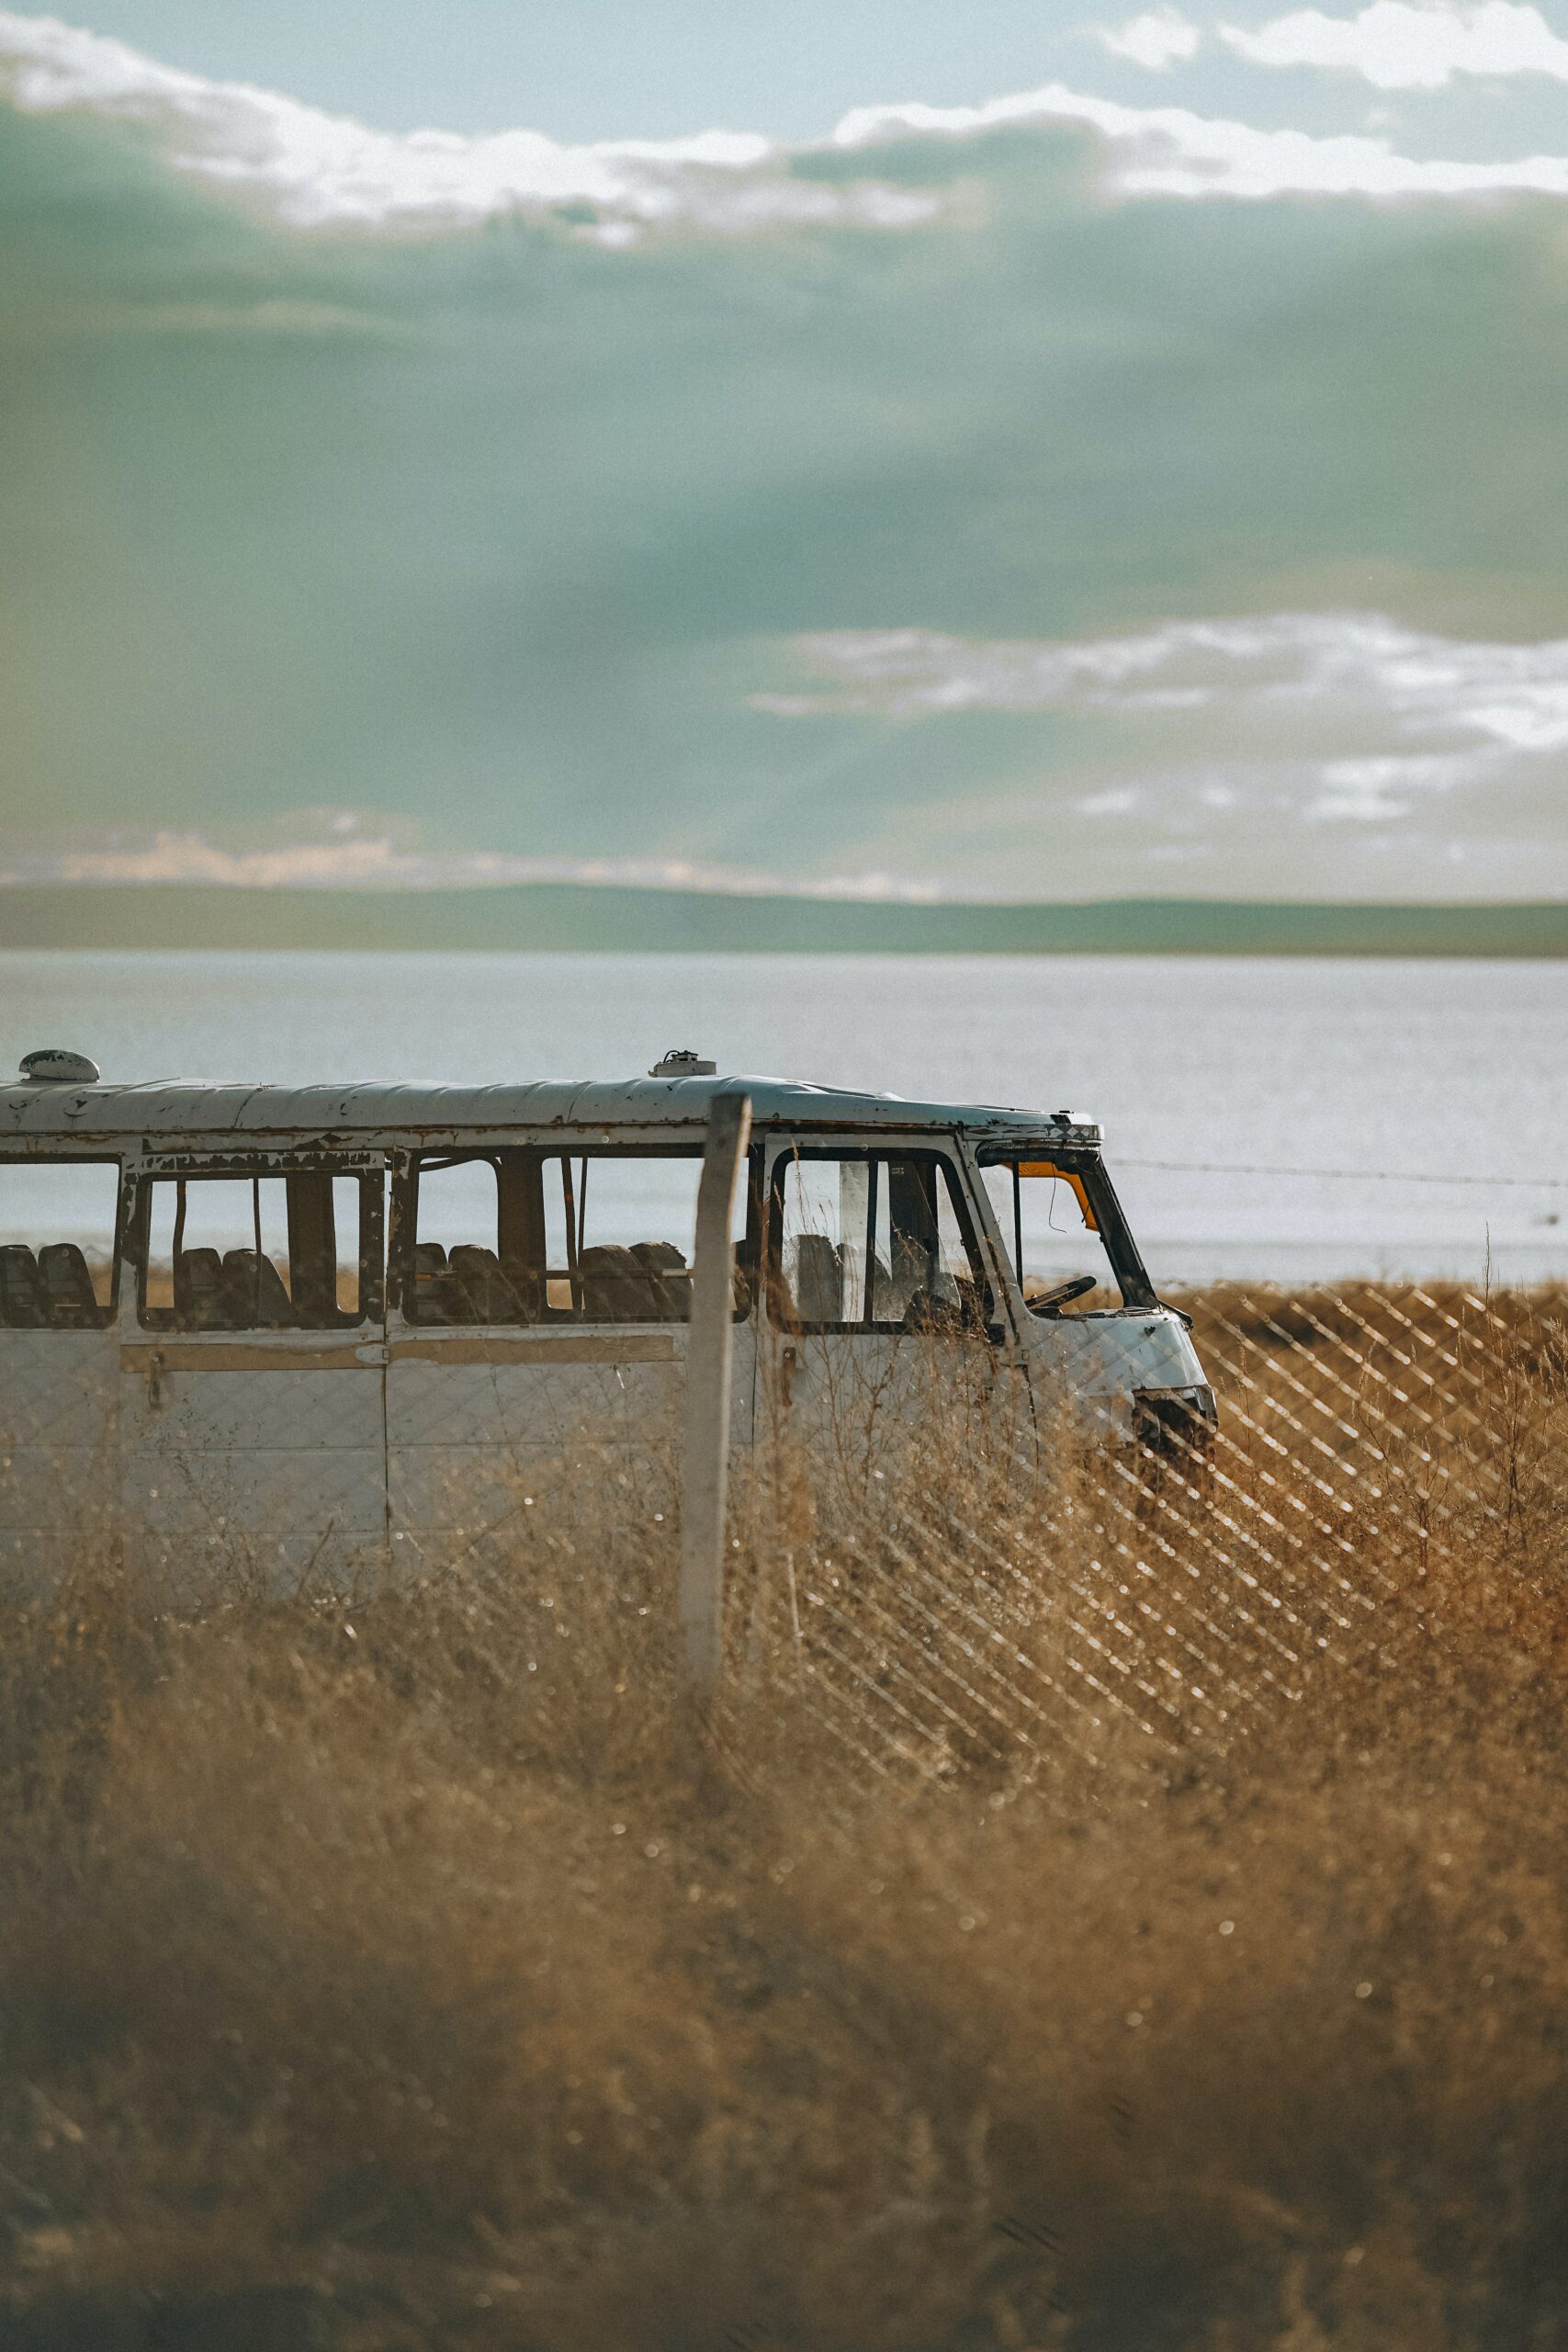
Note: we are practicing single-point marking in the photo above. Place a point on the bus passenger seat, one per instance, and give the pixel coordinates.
(432, 1301)
(669, 1278)
(929, 1311)
(68, 1288)
(483, 1293)
(617, 1288)
(313, 1276)
(819, 1279)
(658, 1257)
(257, 1299)
(526, 1285)
(200, 1301)
(22, 1304)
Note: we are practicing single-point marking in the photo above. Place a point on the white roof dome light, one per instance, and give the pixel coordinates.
(59, 1067)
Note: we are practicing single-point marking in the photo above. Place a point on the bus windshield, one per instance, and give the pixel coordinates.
(1064, 1234)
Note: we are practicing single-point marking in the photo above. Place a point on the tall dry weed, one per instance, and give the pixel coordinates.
(1129, 1915)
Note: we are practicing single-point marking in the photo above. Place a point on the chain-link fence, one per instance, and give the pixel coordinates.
(965, 1585)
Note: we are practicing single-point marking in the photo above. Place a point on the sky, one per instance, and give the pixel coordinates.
(1013, 452)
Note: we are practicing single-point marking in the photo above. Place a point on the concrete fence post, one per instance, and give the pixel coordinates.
(705, 1465)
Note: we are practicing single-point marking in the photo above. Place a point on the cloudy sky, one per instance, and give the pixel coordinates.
(1008, 450)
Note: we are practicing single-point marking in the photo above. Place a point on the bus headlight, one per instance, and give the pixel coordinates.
(1172, 1419)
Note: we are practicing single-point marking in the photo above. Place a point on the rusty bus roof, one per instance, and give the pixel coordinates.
(37, 1108)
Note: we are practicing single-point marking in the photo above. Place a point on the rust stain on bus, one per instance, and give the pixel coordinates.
(542, 1347)
(247, 1355)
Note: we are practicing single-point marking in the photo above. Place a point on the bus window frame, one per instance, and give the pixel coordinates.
(118, 1160)
(365, 1168)
(883, 1148)
(1088, 1177)
(403, 1229)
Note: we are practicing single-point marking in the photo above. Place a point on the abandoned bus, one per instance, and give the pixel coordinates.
(333, 1327)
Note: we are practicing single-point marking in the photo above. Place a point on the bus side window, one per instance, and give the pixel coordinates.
(273, 1252)
(57, 1243)
(534, 1236)
(873, 1241)
(478, 1244)
(620, 1235)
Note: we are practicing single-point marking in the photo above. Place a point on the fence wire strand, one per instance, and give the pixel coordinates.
(1006, 1592)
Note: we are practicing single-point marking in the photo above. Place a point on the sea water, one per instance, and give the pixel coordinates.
(1269, 1119)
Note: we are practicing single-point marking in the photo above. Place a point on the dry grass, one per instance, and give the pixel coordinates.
(1099, 1935)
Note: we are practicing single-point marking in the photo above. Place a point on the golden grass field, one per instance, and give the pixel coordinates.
(1114, 1912)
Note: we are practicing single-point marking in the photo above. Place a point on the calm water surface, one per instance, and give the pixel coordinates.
(1387, 1071)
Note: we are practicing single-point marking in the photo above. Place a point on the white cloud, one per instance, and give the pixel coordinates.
(360, 856)
(1396, 45)
(316, 170)
(1168, 150)
(1377, 791)
(1157, 40)
(1361, 752)
(1287, 666)
(312, 170)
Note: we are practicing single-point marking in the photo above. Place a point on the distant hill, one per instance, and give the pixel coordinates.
(568, 916)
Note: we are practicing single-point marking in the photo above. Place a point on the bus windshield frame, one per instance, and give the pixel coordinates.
(1085, 1173)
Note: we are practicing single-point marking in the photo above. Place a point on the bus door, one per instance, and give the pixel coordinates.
(537, 1341)
(253, 1410)
(880, 1306)
(58, 1492)
(1093, 1331)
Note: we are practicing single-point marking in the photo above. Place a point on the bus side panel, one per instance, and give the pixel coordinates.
(241, 1454)
(487, 1426)
(59, 1488)
(483, 1427)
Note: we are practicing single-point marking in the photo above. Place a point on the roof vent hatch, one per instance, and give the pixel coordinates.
(682, 1062)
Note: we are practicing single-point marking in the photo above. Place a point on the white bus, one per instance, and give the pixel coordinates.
(332, 1328)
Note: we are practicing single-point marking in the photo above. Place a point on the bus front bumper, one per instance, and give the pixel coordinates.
(1172, 1420)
